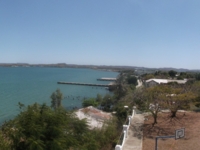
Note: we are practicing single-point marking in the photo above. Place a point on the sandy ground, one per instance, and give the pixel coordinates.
(166, 126)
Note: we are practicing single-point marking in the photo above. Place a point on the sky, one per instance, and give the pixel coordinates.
(143, 33)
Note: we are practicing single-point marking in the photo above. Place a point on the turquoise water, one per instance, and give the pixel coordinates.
(36, 84)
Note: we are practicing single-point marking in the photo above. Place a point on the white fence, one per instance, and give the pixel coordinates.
(125, 132)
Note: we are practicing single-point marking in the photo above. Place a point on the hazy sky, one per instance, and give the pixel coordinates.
(146, 33)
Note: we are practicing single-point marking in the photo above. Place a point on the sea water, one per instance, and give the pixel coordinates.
(29, 85)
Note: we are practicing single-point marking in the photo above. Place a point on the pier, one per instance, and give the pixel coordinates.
(107, 79)
(86, 84)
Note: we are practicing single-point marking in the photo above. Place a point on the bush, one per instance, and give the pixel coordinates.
(90, 102)
(198, 76)
(132, 80)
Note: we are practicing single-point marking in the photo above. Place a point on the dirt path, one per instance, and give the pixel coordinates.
(166, 126)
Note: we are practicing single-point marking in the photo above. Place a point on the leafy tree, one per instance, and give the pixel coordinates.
(180, 100)
(139, 99)
(157, 73)
(198, 76)
(39, 127)
(99, 98)
(90, 102)
(148, 76)
(101, 139)
(132, 80)
(172, 73)
(56, 98)
(183, 74)
(121, 89)
(4, 142)
(121, 112)
(195, 88)
(172, 97)
(152, 102)
(180, 78)
(107, 102)
(175, 98)
(161, 74)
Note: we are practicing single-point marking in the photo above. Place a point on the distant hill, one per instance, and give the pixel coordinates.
(113, 68)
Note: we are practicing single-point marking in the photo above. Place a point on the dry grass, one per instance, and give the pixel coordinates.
(166, 126)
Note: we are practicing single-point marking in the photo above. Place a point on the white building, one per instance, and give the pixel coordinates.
(153, 82)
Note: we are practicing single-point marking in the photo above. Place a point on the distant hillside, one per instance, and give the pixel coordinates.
(113, 68)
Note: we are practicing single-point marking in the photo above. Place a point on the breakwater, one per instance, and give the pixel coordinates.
(86, 84)
(107, 79)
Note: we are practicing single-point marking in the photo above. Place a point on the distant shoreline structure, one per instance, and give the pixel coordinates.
(107, 79)
(109, 86)
(87, 84)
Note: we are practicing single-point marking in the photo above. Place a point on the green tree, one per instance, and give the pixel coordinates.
(148, 76)
(180, 78)
(99, 98)
(139, 99)
(107, 102)
(121, 89)
(198, 76)
(56, 98)
(132, 80)
(90, 102)
(121, 112)
(175, 98)
(172, 73)
(152, 102)
(39, 127)
(4, 142)
(172, 97)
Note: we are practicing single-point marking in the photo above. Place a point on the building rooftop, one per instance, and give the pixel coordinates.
(94, 116)
(159, 81)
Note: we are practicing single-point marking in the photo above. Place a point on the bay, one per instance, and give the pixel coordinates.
(28, 85)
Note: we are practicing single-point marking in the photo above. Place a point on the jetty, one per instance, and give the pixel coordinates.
(86, 84)
(107, 79)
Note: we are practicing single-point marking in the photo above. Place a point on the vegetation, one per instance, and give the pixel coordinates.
(4, 143)
(40, 127)
(152, 102)
(197, 76)
(132, 80)
(43, 127)
(172, 73)
(90, 102)
(120, 86)
(56, 98)
(175, 98)
(105, 103)
(170, 96)
(167, 97)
